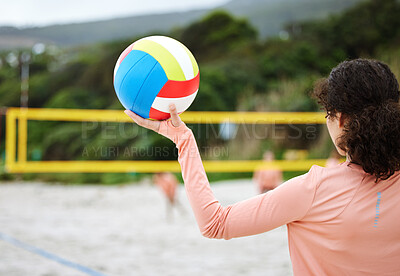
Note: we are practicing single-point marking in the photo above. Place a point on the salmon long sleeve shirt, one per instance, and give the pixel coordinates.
(339, 221)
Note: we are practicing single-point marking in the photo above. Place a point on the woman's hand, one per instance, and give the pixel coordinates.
(155, 125)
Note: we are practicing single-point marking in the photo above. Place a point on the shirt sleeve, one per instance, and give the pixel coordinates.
(289, 202)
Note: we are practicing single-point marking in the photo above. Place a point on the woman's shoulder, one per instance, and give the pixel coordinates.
(344, 169)
(341, 179)
(334, 187)
(330, 179)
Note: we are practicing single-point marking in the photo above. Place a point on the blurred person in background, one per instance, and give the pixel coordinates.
(168, 184)
(268, 178)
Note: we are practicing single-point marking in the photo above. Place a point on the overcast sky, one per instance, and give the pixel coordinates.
(24, 13)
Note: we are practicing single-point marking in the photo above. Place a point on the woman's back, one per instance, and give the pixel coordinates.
(352, 226)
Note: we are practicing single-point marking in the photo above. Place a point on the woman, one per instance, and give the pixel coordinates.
(168, 184)
(267, 179)
(343, 220)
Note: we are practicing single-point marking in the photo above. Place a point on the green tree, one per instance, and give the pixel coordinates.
(358, 31)
(217, 34)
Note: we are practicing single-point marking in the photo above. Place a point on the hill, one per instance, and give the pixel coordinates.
(268, 16)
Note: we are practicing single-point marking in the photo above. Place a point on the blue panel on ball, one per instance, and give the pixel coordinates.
(149, 91)
(127, 95)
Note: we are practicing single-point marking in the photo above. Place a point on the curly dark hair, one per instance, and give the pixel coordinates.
(366, 92)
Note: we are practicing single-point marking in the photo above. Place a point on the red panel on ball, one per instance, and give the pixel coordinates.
(158, 115)
(178, 89)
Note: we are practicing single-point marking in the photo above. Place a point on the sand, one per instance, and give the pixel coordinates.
(123, 230)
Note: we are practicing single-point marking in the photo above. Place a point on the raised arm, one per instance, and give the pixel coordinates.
(259, 214)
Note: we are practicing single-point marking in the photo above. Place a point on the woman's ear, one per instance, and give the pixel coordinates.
(341, 119)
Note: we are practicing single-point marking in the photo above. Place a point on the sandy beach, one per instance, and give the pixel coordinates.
(123, 231)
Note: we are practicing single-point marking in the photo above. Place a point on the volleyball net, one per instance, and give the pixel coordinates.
(17, 120)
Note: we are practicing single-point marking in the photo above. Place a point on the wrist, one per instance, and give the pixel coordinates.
(172, 132)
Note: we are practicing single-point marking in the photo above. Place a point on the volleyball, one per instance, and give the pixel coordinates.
(154, 72)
